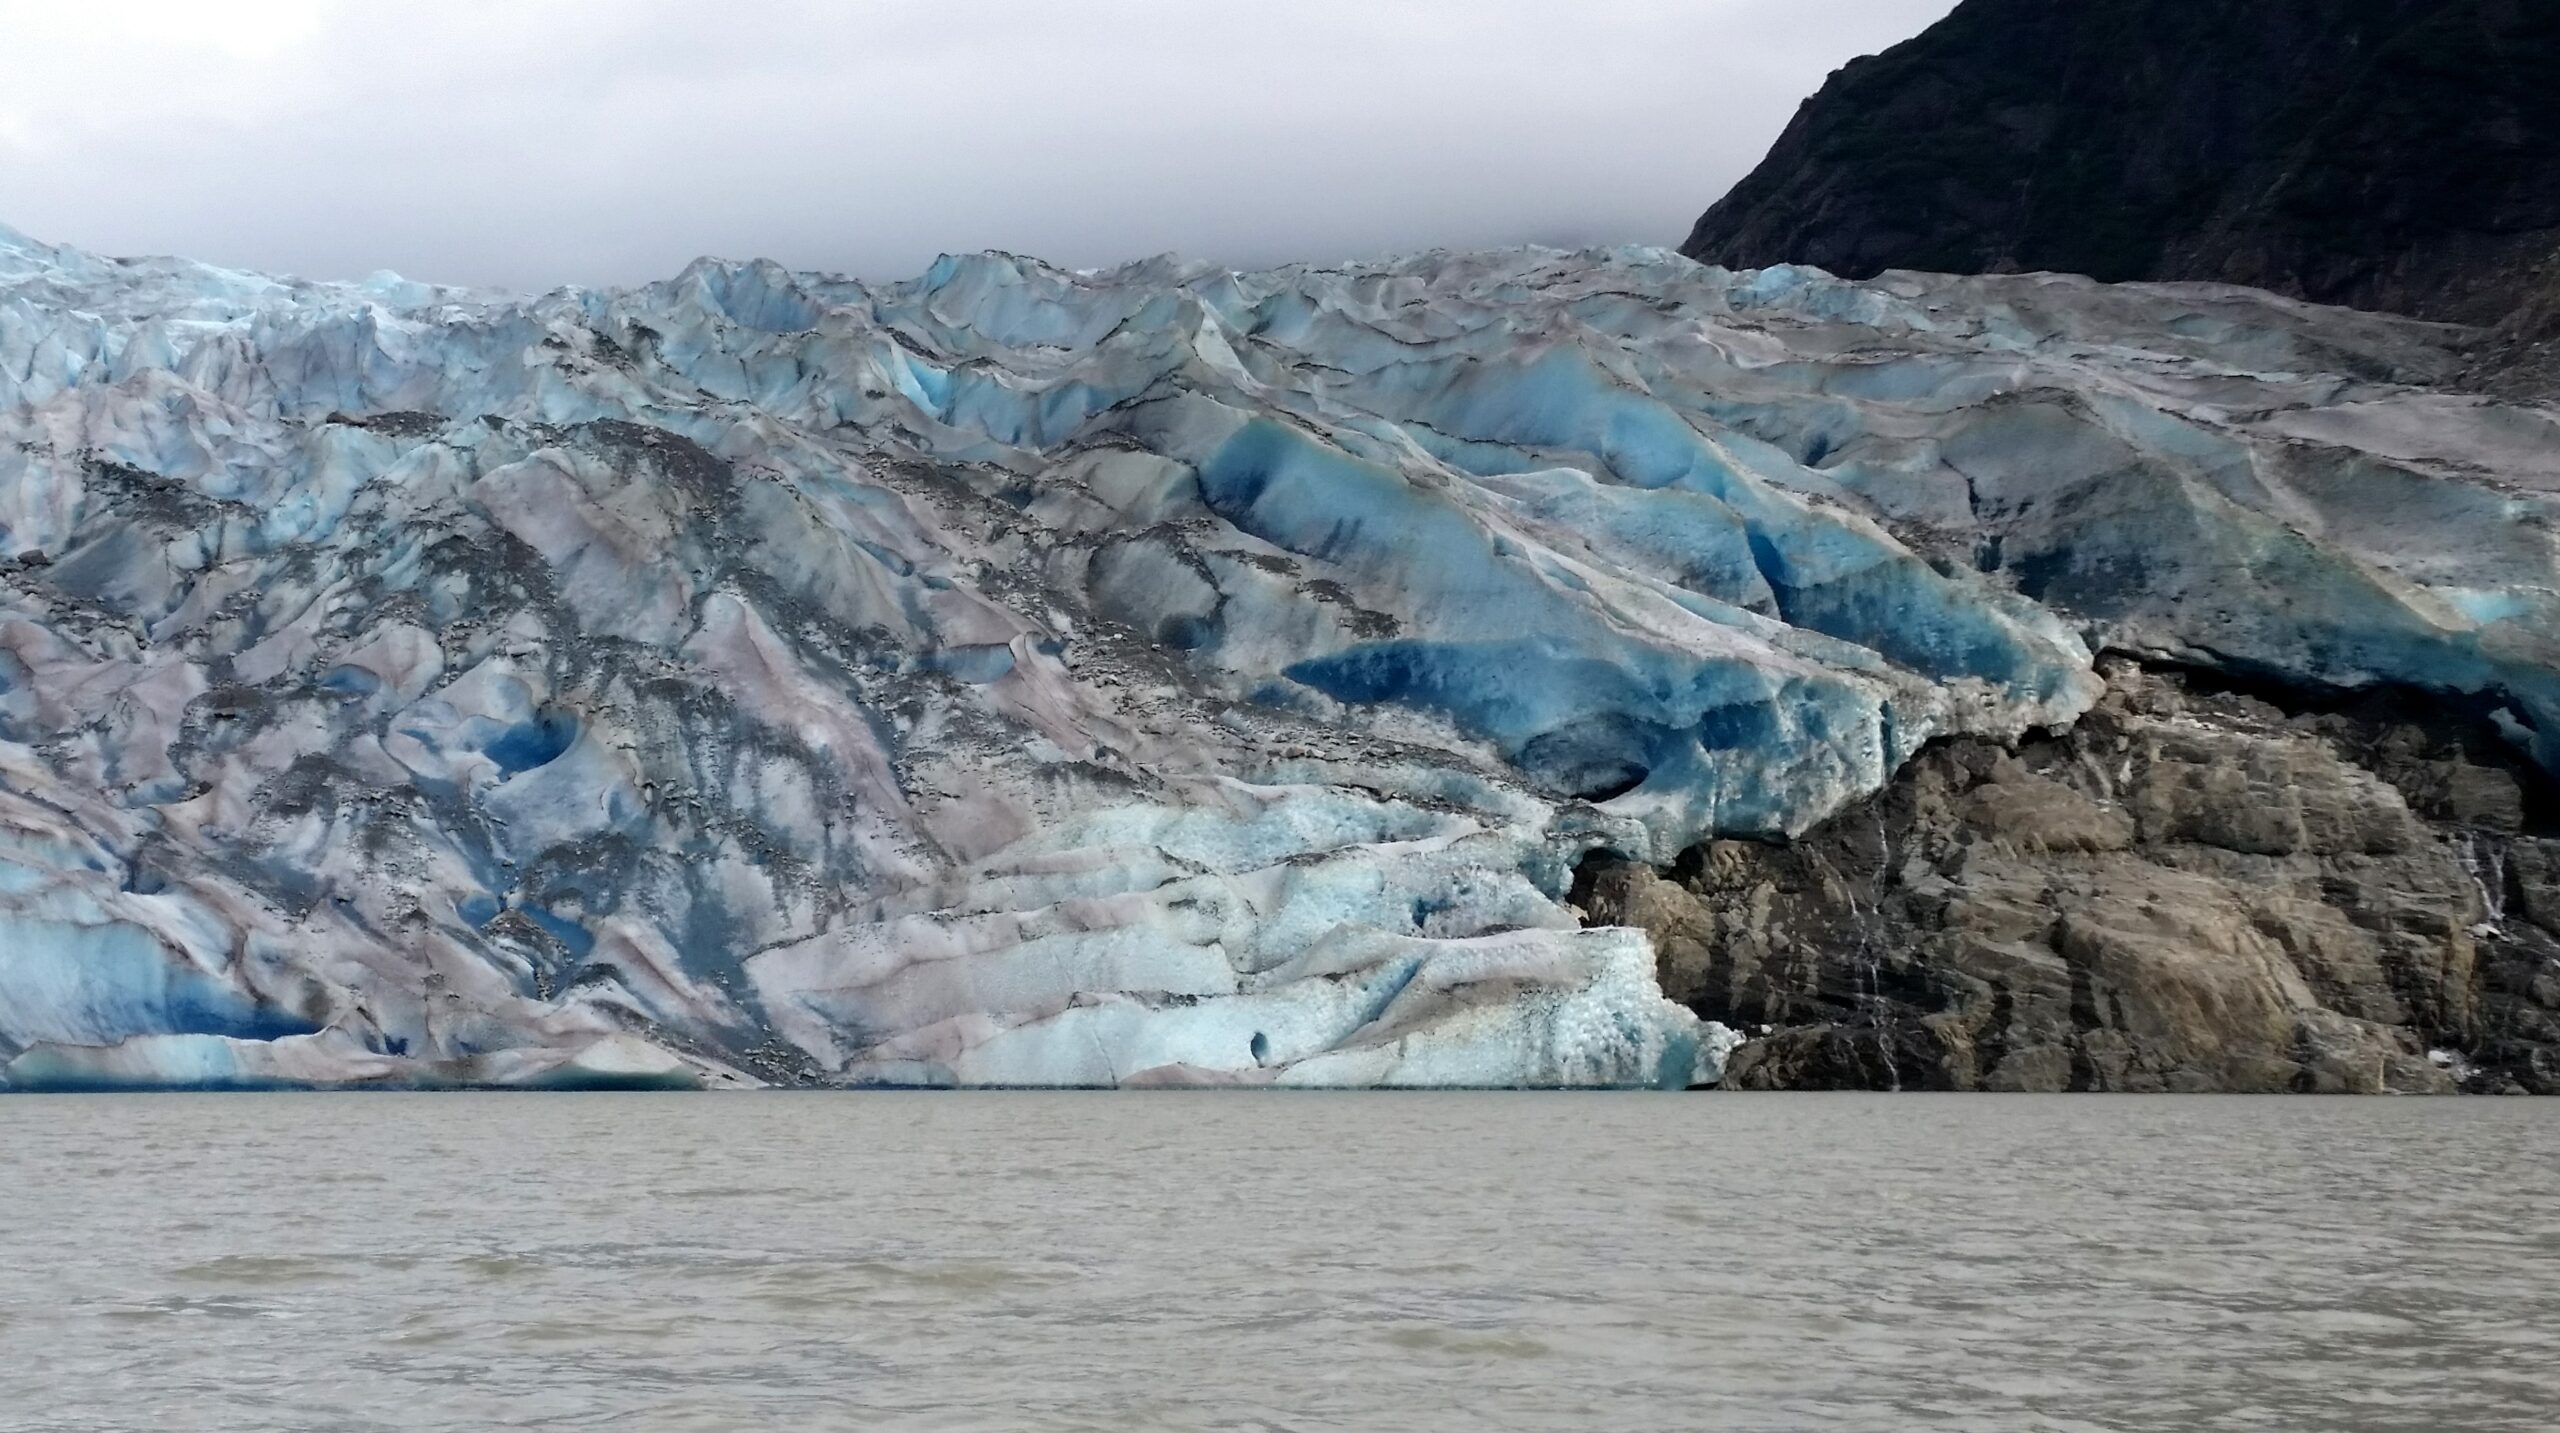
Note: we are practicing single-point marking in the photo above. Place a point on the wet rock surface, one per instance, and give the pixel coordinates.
(2195, 889)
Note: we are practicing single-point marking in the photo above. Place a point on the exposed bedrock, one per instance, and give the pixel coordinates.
(2388, 154)
(2195, 889)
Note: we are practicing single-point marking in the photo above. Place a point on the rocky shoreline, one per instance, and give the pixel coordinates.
(2197, 888)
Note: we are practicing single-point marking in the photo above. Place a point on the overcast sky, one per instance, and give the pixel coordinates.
(526, 143)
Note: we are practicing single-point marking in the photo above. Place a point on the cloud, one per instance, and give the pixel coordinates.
(555, 141)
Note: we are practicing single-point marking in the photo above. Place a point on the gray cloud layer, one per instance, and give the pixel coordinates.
(528, 144)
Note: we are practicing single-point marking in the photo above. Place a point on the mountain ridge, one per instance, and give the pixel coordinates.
(2396, 155)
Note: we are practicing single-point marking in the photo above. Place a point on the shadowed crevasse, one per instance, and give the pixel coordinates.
(1165, 675)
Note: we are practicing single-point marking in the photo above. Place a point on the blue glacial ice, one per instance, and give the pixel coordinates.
(1165, 676)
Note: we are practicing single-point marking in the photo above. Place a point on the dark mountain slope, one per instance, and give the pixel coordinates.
(2389, 154)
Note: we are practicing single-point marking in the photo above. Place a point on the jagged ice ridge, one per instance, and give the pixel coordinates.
(1166, 675)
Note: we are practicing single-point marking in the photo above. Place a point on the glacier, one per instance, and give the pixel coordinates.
(1161, 676)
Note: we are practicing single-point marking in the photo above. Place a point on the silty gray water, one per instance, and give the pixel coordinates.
(1267, 1262)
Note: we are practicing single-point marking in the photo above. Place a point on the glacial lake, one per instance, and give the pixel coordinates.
(1273, 1262)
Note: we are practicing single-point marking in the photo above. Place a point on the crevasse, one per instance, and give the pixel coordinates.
(1160, 676)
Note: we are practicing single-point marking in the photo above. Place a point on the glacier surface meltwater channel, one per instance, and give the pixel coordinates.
(1165, 675)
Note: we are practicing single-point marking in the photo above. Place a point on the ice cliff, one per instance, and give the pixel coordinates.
(1164, 675)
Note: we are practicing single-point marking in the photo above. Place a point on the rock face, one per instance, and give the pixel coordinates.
(2193, 890)
(2401, 155)
(1170, 675)
(2520, 357)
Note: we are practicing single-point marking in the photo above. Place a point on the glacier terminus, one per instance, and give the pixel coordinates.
(1156, 676)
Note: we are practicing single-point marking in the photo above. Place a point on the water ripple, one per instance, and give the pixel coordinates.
(1042, 1262)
